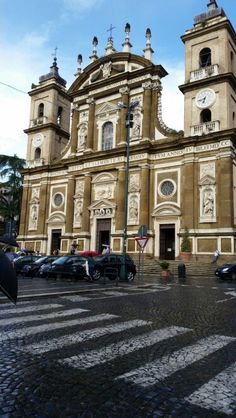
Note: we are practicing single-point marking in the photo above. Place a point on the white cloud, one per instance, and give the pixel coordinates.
(81, 5)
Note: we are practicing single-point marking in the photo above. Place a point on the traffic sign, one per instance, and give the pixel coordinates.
(142, 241)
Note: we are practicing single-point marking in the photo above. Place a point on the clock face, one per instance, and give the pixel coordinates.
(37, 140)
(205, 98)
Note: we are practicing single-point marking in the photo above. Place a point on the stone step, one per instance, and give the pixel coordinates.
(192, 268)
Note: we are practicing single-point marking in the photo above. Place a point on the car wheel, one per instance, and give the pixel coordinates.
(130, 276)
(233, 276)
(96, 275)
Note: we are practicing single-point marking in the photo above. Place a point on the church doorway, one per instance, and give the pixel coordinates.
(167, 242)
(103, 234)
(56, 240)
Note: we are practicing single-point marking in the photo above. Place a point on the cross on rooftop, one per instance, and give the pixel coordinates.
(110, 30)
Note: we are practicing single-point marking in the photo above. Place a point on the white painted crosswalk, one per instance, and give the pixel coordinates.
(158, 370)
(132, 336)
(96, 357)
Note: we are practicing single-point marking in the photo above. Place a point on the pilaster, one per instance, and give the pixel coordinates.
(86, 203)
(74, 130)
(70, 205)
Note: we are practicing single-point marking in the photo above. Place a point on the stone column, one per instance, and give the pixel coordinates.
(70, 205)
(86, 203)
(154, 110)
(224, 189)
(74, 131)
(91, 121)
(24, 210)
(147, 100)
(120, 200)
(144, 195)
(122, 130)
(43, 207)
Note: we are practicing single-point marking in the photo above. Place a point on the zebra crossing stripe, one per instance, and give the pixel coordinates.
(28, 331)
(3, 306)
(158, 370)
(17, 310)
(96, 357)
(218, 394)
(31, 318)
(57, 343)
(114, 293)
(75, 298)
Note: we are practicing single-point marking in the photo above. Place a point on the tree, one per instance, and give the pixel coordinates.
(10, 189)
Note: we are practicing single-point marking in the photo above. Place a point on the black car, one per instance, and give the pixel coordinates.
(20, 262)
(32, 269)
(69, 266)
(226, 271)
(113, 266)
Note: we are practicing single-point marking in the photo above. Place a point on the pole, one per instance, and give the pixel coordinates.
(126, 183)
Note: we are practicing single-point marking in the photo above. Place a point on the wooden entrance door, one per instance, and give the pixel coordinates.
(103, 234)
(56, 240)
(167, 242)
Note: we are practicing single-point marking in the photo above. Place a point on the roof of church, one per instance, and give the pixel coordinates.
(213, 11)
(53, 74)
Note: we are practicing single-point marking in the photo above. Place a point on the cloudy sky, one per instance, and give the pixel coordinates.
(31, 30)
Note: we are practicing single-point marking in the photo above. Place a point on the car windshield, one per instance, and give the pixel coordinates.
(40, 260)
(61, 260)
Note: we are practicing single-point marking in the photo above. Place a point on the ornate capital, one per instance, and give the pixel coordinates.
(124, 90)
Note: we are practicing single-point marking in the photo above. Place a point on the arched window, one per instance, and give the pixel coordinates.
(37, 154)
(107, 136)
(205, 116)
(59, 115)
(41, 110)
(205, 57)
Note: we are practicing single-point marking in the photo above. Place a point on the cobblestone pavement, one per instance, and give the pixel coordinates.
(148, 349)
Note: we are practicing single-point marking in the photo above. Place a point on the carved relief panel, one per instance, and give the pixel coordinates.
(34, 209)
(78, 203)
(207, 190)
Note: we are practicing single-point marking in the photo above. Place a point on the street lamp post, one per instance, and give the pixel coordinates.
(129, 123)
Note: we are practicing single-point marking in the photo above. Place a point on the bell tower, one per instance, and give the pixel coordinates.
(210, 73)
(48, 131)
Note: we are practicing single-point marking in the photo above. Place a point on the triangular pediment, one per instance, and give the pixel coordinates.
(207, 180)
(106, 108)
(104, 203)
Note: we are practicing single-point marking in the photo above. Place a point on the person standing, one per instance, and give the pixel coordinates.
(9, 255)
(215, 256)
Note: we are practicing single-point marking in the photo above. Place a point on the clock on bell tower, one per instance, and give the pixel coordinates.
(48, 132)
(210, 74)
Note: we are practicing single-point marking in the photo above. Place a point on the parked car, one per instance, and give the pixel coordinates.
(110, 265)
(69, 266)
(226, 271)
(32, 269)
(21, 261)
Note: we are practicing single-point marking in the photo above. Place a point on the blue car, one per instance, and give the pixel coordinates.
(226, 271)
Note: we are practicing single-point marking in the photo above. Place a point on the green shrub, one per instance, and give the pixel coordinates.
(164, 265)
(186, 243)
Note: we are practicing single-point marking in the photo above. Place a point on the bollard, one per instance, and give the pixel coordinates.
(181, 271)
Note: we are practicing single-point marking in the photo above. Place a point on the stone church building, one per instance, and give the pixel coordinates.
(78, 184)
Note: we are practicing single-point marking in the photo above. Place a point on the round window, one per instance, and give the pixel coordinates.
(167, 188)
(58, 199)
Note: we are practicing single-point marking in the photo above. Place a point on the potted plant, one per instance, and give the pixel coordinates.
(185, 248)
(164, 266)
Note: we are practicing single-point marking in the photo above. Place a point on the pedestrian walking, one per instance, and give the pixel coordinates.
(215, 256)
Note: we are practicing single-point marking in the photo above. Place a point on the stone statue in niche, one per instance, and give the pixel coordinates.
(82, 134)
(133, 209)
(78, 207)
(33, 219)
(137, 124)
(208, 202)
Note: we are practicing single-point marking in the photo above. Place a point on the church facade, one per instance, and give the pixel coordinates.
(78, 184)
